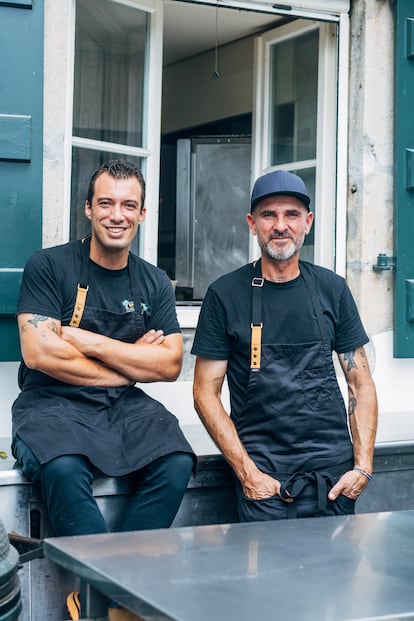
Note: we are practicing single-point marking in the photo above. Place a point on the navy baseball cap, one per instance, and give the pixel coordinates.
(279, 182)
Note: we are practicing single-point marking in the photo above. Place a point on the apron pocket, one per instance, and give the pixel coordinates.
(273, 508)
(343, 505)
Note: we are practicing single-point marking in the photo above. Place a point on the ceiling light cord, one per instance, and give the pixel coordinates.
(216, 72)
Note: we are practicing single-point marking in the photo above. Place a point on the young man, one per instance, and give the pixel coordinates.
(94, 319)
(271, 327)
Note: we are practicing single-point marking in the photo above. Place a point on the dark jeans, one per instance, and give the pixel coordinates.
(66, 487)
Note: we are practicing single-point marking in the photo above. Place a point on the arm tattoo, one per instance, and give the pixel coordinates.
(52, 325)
(36, 319)
(350, 358)
(352, 406)
(363, 356)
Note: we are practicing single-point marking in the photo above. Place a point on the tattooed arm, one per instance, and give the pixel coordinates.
(363, 415)
(153, 357)
(44, 350)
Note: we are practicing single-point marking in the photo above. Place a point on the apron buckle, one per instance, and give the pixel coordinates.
(257, 282)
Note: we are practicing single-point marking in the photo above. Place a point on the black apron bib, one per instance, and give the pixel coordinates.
(119, 429)
(128, 326)
(294, 423)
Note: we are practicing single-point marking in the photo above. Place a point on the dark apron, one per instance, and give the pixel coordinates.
(294, 423)
(119, 429)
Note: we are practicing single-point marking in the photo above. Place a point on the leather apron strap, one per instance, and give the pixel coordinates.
(83, 285)
(257, 324)
(79, 306)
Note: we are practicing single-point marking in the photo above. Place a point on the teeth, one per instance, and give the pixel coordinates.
(115, 230)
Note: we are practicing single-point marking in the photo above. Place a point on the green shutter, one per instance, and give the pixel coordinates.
(404, 179)
(21, 154)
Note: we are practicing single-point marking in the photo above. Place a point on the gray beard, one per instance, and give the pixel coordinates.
(281, 255)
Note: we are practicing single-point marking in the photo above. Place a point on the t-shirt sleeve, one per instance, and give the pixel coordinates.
(211, 337)
(350, 333)
(163, 313)
(40, 292)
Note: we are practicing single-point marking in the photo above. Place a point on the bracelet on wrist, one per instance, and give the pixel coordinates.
(366, 474)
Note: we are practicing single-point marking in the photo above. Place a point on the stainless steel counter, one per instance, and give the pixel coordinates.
(323, 569)
(208, 500)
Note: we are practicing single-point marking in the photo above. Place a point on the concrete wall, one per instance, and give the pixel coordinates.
(370, 194)
(370, 169)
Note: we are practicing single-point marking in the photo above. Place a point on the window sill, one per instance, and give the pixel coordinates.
(188, 316)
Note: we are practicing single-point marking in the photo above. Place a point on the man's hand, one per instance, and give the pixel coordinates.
(351, 484)
(81, 339)
(152, 337)
(261, 486)
(85, 340)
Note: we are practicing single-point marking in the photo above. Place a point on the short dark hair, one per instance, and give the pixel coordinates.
(120, 169)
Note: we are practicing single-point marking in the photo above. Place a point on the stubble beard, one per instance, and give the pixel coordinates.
(281, 255)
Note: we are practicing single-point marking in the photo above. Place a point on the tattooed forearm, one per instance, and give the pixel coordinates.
(350, 358)
(352, 406)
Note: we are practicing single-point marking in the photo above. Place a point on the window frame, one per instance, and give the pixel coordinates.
(335, 13)
(329, 225)
(149, 152)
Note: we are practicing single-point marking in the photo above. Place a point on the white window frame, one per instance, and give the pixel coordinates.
(331, 147)
(151, 129)
(324, 10)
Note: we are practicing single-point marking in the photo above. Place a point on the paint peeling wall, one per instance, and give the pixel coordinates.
(370, 195)
(370, 188)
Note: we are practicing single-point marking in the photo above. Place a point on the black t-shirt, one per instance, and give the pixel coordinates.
(223, 331)
(50, 281)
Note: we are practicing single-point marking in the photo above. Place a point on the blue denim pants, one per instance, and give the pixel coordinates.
(66, 487)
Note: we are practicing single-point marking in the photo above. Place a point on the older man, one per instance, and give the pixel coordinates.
(271, 327)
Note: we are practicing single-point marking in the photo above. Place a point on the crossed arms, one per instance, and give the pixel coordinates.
(82, 358)
(362, 409)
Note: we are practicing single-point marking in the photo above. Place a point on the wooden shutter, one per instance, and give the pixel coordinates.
(21, 154)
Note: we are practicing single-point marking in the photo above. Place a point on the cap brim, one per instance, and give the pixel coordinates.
(304, 198)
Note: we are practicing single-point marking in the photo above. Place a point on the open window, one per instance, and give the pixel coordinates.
(116, 101)
(204, 102)
(296, 120)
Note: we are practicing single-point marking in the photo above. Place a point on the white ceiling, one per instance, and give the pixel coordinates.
(190, 29)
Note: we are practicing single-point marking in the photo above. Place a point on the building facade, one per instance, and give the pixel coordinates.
(205, 97)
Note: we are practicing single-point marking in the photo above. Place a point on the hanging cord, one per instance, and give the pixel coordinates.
(215, 72)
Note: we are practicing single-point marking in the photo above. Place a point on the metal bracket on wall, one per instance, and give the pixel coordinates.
(384, 263)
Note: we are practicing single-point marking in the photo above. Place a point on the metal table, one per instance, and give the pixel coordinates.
(322, 569)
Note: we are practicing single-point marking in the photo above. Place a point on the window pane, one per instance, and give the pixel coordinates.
(293, 105)
(84, 163)
(110, 59)
(307, 252)
(213, 186)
